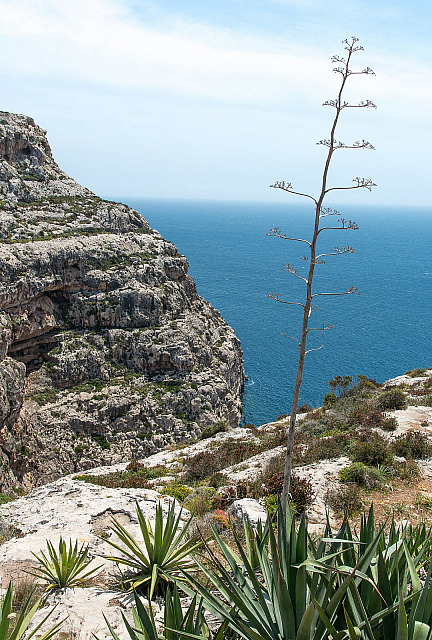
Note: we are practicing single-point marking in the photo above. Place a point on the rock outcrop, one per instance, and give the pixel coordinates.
(106, 350)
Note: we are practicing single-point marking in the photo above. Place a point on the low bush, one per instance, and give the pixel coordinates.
(202, 500)
(363, 386)
(366, 417)
(272, 479)
(413, 444)
(329, 399)
(308, 451)
(392, 400)
(217, 480)
(135, 476)
(415, 373)
(345, 500)
(361, 474)
(389, 424)
(234, 451)
(302, 493)
(371, 448)
(315, 424)
(176, 490)
(408, 471)
(202, 465)
(304, 408)
(213, 429)
(229, 452)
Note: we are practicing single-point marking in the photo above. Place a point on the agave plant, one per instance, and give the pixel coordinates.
(13, 625)
(65, 567)
(254, 539)
(165, 553)
(341, 587)
(177, 624)
(278, 606)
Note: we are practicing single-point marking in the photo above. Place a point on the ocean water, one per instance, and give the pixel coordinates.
(381, 333)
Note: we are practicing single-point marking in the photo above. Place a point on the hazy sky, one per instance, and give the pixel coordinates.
(217, 99)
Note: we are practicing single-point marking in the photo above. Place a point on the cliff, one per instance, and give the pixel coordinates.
(106, 350)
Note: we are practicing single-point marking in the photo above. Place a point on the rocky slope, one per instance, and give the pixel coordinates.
(106, 350)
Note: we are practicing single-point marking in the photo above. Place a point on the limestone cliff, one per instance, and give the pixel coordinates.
(106, 350)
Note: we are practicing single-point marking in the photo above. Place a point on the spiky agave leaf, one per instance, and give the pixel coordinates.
(23, 619)
(65, 567)
(164, 552)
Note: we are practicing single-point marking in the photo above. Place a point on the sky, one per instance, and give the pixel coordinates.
(218, 99)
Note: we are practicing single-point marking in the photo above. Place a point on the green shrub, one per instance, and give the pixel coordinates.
(201, 501)
(359, 473)
(135, 476)
(45, 397)
(301, 491)
(309, 450)
(389, 424)
(345, 500)
(413, 444)
(202, 465)
(329, 400)
(176, 490)
(233, 451)
(213, 429)
(363, 386)
(372, 449)
(229, 452)
(101, 440)
(217, 480)
(415, 373)
(392, 400)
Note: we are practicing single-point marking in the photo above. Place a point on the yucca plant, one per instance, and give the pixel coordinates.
(177, 625)
(165, 553)
(65, 567)
(13, 625)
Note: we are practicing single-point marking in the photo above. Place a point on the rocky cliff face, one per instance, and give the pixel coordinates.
(106, 350)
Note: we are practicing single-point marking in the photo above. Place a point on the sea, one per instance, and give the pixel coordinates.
(381, 333)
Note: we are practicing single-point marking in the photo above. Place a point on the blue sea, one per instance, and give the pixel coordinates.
(381, 333)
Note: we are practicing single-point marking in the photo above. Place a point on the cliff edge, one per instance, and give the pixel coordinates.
(106, 350)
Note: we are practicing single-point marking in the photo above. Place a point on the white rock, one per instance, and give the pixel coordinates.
(82, 612)
(250, 508)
